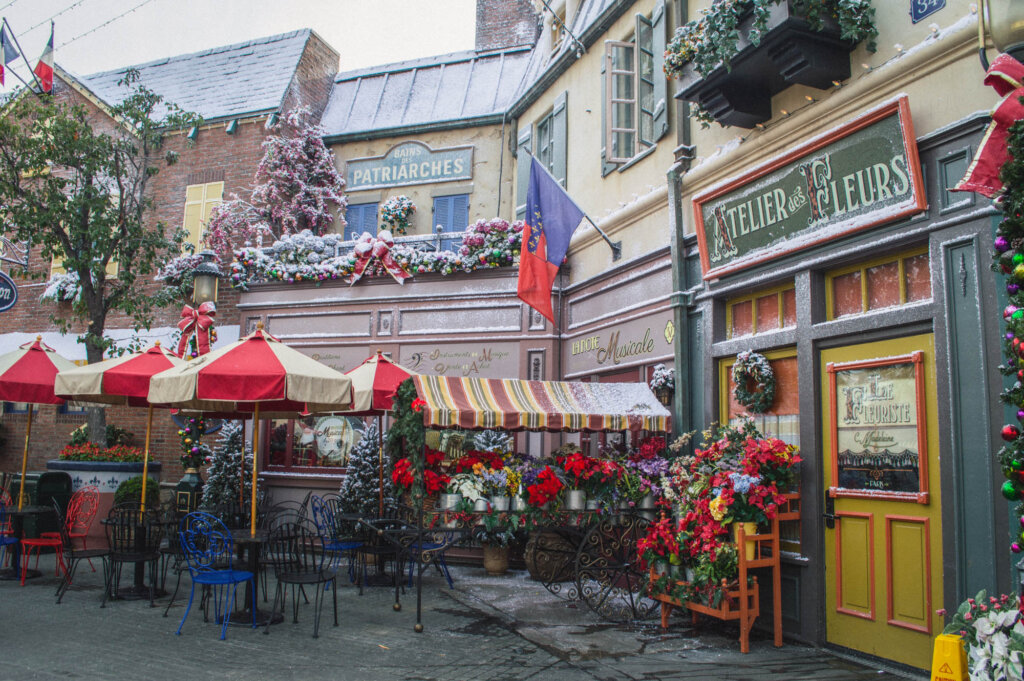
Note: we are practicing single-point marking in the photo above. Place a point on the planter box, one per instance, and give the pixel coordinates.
(790, 53)
(107, 476)
(736, 604)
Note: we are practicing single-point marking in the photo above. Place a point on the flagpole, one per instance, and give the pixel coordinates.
(25, 59)
(616, 246)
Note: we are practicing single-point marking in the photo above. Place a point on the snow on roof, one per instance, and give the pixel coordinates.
(230, 80)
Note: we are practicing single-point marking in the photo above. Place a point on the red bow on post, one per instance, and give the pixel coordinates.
(368, 248)
(198, 321)
(1005, 76)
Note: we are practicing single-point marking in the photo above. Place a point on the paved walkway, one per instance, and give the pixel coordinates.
(504, 628)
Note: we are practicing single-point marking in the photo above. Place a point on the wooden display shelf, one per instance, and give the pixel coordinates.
(741, 600)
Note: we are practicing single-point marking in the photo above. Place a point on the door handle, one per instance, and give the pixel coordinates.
(830, 510)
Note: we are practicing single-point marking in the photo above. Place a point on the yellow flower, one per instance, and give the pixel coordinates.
(478, 468)
(717, 508)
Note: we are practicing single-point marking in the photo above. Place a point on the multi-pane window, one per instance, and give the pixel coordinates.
(360, 217)
(621, 133)
(451, 217)
(312, 442)
(761, 312)
(887, 282)
(545, 144)
(199, 202)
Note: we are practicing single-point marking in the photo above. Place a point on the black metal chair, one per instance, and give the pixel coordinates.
(299, 558)
(73, 555)
(134, 538)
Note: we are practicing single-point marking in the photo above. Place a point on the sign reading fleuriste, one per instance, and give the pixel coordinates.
(409, 163)
(8, 293)
(862, 174)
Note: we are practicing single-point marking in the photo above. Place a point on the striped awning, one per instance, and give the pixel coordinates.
(512, 404)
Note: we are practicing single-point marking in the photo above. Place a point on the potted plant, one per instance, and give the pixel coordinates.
(992, 630)
(496, 535)
(495, 485)
(470, 488)
(576, 467)
(131, 490)
(663, 383)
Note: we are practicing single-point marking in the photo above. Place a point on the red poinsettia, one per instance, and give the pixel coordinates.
(577, 467)
(546, 488)
(471, 458)
(434, 481)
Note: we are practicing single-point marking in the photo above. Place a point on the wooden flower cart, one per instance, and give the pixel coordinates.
(740, 599)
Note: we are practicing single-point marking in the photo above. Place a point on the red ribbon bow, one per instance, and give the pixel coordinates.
(367, 248)
(198, 321)
(1005, 76)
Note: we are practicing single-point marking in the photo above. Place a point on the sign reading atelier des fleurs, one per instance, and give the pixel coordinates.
(860, 175)
(409, 163)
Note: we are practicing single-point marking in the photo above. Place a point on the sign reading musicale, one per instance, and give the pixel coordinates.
(409, 163)
(8, 292)
(860, 175)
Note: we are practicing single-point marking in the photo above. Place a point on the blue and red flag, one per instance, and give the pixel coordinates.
(551, 218)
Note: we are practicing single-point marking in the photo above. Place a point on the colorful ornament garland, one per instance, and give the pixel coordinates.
(751, 367)
(193, 451)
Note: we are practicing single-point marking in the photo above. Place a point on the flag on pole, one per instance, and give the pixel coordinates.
(44, 69)
(8, 52)
(551, 219)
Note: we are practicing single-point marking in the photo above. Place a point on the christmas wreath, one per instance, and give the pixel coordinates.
(753, 368)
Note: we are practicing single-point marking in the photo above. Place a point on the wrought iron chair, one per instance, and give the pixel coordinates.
(207, 545)
(82, 509)
(37, 544)
(134, 538)
(296, 551)
(339, 530)
(73, 555)
(7, 538)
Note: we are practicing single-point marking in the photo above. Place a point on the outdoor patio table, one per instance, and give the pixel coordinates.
(253, 546)
(18, 528)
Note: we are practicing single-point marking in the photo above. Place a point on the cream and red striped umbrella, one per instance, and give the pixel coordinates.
(256, 374)
(27, 375)
(121, 381)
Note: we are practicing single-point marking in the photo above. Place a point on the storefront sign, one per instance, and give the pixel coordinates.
(409, 163)
(878, 438)
(8, 293)
(479, 360)
(621, 344)
(861, 175)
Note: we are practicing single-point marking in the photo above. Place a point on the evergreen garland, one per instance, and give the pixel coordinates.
(406, 436)
(1009, 259)
(753, 367)
(360, 490)
(226, 470)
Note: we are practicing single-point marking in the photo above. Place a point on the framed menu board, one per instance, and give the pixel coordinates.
(879, 444)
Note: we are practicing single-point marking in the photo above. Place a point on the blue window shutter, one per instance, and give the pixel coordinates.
(369, 218)
(443, 213)
(361, 217)
(659, 24)
(460, 212)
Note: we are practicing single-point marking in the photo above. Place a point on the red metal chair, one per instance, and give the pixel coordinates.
(81, 510)
(37, 544)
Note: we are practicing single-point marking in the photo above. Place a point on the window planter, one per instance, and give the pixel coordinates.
(790, 53)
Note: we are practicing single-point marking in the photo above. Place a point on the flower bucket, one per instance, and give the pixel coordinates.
(519, 504)
(593, 504)
(576, 500)
(449, 501)
(499, 503)
(749, 545)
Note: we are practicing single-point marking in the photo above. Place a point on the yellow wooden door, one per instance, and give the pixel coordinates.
(883, 543)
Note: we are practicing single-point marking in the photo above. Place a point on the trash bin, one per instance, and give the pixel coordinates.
(42, 488)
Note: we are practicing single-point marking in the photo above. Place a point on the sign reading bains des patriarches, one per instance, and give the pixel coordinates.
(409, 163)
(862, 174)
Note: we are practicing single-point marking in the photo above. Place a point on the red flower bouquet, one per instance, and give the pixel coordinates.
(546, 488)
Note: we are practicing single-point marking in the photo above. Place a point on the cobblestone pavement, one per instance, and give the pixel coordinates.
(502, 628)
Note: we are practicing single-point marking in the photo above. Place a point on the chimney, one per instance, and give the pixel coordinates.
(501, 24)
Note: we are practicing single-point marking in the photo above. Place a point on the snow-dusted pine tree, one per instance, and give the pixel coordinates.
(297, 187)
(360, 490)
(225, 472)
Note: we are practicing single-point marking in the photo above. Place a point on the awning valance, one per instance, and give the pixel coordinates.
(512, 404)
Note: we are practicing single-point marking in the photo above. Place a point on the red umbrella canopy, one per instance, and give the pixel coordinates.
(119, 380)
(27, 374)
(374, 383)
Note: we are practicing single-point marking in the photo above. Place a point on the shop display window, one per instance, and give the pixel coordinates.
(761, 312)
(318, 442)
(879, 284)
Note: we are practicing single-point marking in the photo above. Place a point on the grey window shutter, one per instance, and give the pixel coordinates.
(443, 213)
(659, 28)
(523, 149)
(460, 212)
(606, 167)
(369, 218)
(560, 138)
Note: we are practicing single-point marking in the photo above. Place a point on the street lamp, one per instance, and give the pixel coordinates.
(1005, 27)
(206, 276)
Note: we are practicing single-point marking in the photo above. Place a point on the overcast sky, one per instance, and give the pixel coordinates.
(365, 32)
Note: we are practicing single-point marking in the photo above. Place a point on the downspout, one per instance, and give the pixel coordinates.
(681, 299)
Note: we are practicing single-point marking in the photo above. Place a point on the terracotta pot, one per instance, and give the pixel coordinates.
(495, 559)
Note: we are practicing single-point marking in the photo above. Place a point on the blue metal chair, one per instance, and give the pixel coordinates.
(338, 531)
(207, 546)
(7, 537)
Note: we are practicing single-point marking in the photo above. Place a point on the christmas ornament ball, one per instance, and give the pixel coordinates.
(1012, 289)
(1018, 258)
(1008, 311)
(1015, 547)
(188, 440)
(1001, 244)
(1017, 315)
(1010, 432)
(1010, 491)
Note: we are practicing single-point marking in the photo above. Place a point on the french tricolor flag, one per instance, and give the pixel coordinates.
(44, 69)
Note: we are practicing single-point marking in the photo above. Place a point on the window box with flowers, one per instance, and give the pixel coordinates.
(738, 54)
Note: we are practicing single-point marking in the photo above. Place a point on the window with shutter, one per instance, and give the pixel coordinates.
(361, 217)
(199, 202)
(451, 217)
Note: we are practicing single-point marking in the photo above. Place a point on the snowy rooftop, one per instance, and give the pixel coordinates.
(455, 87)
(224, 81)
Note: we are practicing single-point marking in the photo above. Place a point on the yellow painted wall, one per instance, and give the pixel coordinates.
(483, 201)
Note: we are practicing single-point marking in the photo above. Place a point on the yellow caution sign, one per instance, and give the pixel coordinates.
(949, 659)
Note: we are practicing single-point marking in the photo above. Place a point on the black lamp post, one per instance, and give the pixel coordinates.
(1005, 27)
(206, 276)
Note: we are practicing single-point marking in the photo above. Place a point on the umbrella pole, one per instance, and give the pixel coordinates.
(241, 474)
(255, 459)
(24, 457)
(380, 463)
(145, 458)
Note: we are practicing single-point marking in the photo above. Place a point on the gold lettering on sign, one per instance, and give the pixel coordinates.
(616, 351)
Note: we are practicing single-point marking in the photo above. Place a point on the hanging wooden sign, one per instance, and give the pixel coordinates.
(8, 292)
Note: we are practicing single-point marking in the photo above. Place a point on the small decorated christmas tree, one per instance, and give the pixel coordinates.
(360, 491)
(226, 471)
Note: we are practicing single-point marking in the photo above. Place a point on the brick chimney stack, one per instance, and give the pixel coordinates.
(505, 23)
